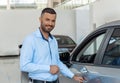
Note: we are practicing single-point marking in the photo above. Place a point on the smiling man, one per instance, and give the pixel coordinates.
(39, 53)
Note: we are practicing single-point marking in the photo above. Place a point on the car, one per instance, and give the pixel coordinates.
(97, 57)
(65, 43)
(65, 46)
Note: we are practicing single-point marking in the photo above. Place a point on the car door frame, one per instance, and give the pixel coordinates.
(103, 46)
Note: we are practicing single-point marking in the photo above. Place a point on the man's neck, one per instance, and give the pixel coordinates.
(45, 35)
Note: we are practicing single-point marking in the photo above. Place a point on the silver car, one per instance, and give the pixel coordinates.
(97, 58)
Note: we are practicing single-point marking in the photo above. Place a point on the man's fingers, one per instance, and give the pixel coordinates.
(54, 69)
(78, 78)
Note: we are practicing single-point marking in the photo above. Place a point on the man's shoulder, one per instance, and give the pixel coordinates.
(29, 36)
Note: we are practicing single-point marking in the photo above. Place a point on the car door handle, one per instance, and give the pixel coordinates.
(82, 70)
(76, 72)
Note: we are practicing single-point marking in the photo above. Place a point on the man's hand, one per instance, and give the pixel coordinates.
(78, 78)
(54, 69)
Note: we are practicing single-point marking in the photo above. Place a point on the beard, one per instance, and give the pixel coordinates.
(47, 28)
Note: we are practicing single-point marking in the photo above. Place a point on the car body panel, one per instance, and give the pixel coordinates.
(97, 74)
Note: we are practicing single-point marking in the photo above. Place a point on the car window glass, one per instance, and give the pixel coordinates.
(112, 52)
(88, 53)
(70, 41)
(64, 41)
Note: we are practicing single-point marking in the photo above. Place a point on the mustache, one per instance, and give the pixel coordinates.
(49, 25)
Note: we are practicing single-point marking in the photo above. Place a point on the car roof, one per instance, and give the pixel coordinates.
(113, 23)
(61, 35)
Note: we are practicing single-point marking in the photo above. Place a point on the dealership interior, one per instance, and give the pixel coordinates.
(75, 20)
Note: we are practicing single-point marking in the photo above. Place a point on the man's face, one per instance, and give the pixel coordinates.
(47, 22)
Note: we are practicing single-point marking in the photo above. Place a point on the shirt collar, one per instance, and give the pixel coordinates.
(38, 33)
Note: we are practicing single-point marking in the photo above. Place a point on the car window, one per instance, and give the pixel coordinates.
(88, 53)
(112, 52)
(64, 40)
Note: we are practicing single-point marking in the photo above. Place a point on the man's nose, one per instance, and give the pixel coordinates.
(50, 23)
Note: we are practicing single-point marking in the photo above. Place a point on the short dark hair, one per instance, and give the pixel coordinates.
(48, 10)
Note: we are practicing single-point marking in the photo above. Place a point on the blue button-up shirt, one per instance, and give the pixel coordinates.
(37, 54)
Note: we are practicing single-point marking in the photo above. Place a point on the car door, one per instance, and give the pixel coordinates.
(86, 54)
(90, 58)
(88, 48)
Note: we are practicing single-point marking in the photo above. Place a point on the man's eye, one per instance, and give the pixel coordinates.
(53, 20)
(47, 19)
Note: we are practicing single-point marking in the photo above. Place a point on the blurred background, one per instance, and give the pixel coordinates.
(39, 4)
(75, 18)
